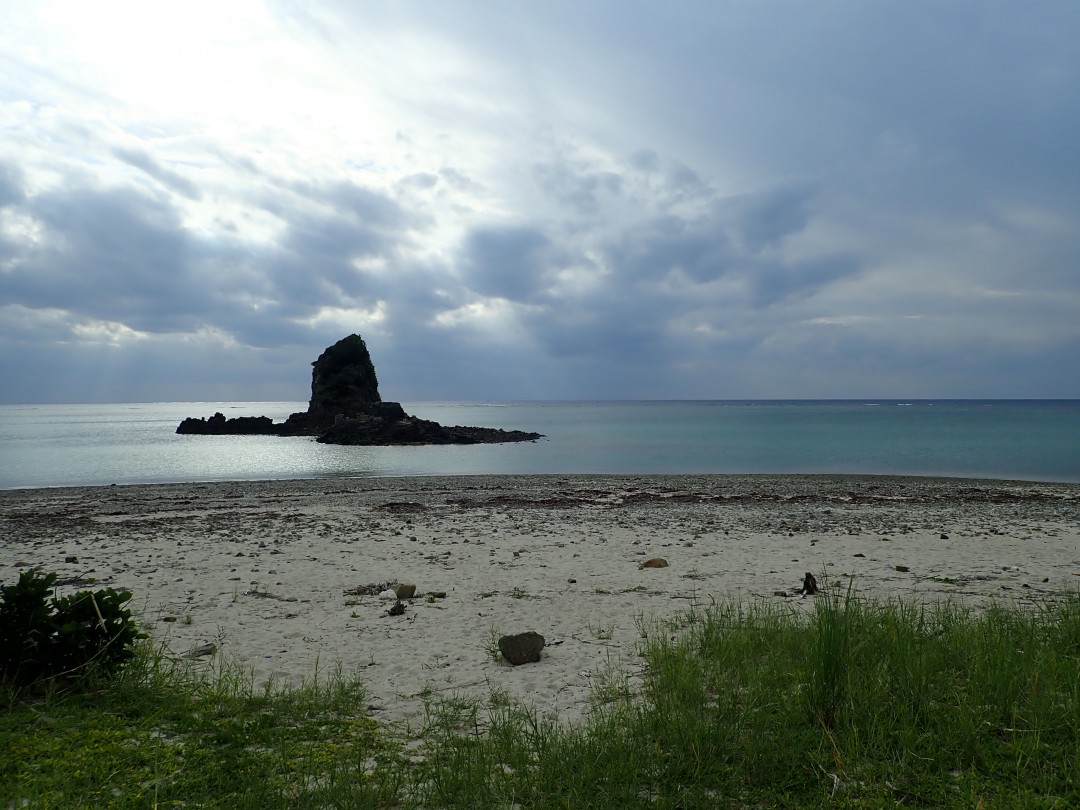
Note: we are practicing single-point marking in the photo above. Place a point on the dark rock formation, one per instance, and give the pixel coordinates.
(317, 423)
(375, 430)
(218, 425)
(342, 379)
(345, 408)
(522, 648)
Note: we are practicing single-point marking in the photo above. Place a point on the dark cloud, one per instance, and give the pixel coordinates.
(10, 185)
(765, 219)
(419, 181)
(699, 249)
(330, 232)
(681, 183)
(626, 329)
(507, 262)
(771, 283)
(116, 255)
(644, 160)
(333, 240)
(458, 180)
(170, 179)
(186, 369)
(372, 208)
(576, 189)
(124, 257)
(669, 182)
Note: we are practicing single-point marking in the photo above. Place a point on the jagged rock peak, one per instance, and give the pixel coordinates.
(346, 408)
(343, 378)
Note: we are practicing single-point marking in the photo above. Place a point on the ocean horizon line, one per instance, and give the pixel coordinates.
(891, 400)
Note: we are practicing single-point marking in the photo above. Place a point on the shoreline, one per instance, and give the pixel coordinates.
(738, 478)
(261, 569)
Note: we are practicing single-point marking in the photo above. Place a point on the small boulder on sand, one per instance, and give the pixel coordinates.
(521, 648)
(654, 562)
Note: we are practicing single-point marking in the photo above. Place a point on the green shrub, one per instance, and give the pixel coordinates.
(42, 636)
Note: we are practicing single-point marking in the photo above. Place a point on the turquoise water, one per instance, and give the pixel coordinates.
(78, 445)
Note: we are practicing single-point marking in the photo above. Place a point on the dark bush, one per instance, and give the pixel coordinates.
(42, 636)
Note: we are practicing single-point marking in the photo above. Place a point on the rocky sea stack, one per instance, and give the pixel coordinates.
(346, 408)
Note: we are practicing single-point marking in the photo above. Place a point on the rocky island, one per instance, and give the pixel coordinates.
(346, 408)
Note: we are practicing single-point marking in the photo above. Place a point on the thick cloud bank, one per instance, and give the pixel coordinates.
(622, 200)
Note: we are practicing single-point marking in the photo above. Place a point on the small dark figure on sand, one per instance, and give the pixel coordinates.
(809, 585)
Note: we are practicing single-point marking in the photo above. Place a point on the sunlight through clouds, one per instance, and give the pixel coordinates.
(735, 201)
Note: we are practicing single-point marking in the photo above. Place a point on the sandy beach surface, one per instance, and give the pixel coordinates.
(285, 577)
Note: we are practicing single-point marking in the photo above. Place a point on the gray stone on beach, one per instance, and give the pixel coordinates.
(654, 562)
(521, 648)
(405, 590)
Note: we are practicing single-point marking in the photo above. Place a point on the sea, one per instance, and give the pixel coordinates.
(135, 443)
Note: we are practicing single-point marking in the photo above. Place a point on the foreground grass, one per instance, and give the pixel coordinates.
(860, 705)
(856, 705)
(170, 736)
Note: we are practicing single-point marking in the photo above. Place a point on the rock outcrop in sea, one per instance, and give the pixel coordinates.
(346, 408)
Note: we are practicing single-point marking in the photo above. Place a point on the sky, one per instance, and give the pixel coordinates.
(714, 199)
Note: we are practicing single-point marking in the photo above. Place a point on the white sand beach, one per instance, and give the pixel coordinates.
(283, 577)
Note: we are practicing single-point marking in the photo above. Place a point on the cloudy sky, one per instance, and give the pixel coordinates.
(556, 200)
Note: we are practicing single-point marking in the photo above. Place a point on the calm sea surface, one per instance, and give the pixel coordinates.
(62, 445)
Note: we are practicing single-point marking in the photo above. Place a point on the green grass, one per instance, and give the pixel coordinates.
(167, 736)
(854, 704)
